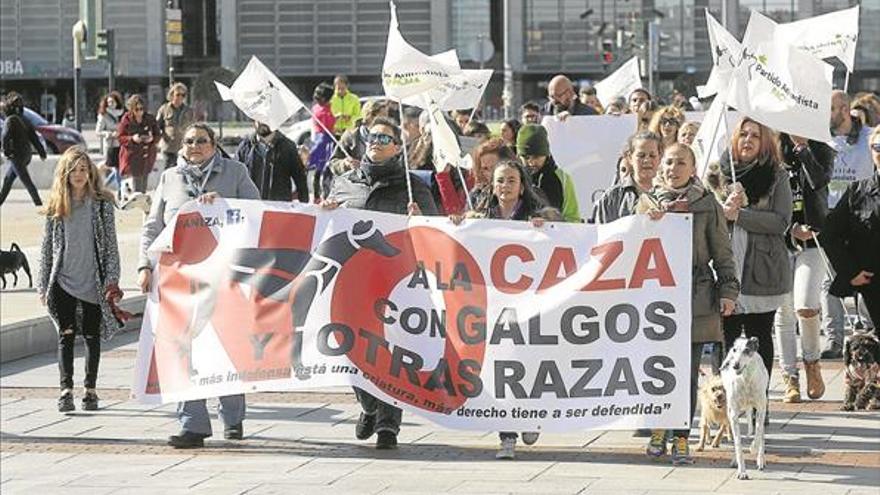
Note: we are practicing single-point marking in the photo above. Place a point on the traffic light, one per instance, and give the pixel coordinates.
(607, 52)
(103, 42)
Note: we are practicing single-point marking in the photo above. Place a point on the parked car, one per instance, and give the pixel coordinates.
(56, 138)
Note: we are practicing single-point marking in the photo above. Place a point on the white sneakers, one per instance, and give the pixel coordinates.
(507, 450)
(508, 445)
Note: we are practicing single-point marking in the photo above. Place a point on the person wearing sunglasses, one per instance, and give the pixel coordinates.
(852, 237)
(173, 118)
(204, 175)
(666, 122)
(379, 184)
(138, 134)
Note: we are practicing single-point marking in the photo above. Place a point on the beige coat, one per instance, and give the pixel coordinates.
(711, 243)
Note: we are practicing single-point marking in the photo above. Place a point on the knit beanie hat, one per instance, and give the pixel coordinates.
(532, 141)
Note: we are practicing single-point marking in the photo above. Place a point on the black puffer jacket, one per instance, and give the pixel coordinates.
(388, 193)
(852, 236)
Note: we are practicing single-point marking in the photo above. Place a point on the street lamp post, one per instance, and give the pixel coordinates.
(79, 33)
(507, 94)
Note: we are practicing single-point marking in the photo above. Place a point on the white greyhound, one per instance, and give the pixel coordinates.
(745, 380)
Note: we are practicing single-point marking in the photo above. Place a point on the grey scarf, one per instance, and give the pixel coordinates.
(195, 176)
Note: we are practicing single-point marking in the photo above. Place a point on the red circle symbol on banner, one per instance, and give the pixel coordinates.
(369, 277)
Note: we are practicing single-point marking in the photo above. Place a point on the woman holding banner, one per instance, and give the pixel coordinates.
(641, 159)
(759, 208)
(379, 183)
(201, 174)
(714, 288)
(486, 157)
(512, 197)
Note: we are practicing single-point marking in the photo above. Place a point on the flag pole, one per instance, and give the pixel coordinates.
(467, 195)
(321, 124)
(471, 117)
(405, 157)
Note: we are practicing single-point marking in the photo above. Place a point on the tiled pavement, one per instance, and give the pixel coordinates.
(304, 443)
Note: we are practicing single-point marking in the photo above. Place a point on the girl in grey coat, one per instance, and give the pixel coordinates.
(79, 269)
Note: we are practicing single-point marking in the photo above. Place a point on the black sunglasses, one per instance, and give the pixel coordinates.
(199, 141)
(876, 147)
(383, 139)
(670, 122)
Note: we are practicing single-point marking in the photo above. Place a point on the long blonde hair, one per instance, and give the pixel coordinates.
(58, 205)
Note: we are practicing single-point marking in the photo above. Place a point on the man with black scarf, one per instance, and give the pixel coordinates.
(18, 136)
(379, 184)
(273, 162)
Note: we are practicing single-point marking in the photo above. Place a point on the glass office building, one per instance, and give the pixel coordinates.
(308, 41)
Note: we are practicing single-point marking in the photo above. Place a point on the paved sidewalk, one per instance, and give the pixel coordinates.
(304, 443)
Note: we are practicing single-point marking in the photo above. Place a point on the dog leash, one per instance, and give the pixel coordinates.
(830, 272)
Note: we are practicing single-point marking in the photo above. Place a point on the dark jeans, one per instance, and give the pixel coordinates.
(696, 357)
(20, 171)
(758, 325)
(388, 417)
(140, 183)
(91, 332)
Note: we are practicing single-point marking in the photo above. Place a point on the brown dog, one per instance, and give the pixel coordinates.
(713, 411)
(861, 361)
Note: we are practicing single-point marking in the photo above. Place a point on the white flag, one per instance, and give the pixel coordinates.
(829, 35)
(781, 86)
(445, 144)
(621, 82)
(726, 51)
(406, 71)
(261, 95)
(713, 138)
(461, 91)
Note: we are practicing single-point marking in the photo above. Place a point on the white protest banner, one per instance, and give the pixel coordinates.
(446, 149)
(407, 71)
(587, 147)
(830, 35)
(726, 51)
(261, 95)
(621, 82)
(781, 86)
(491, 325)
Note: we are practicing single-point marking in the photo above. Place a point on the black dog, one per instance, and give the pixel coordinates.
(11, 261)
(861, 361)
